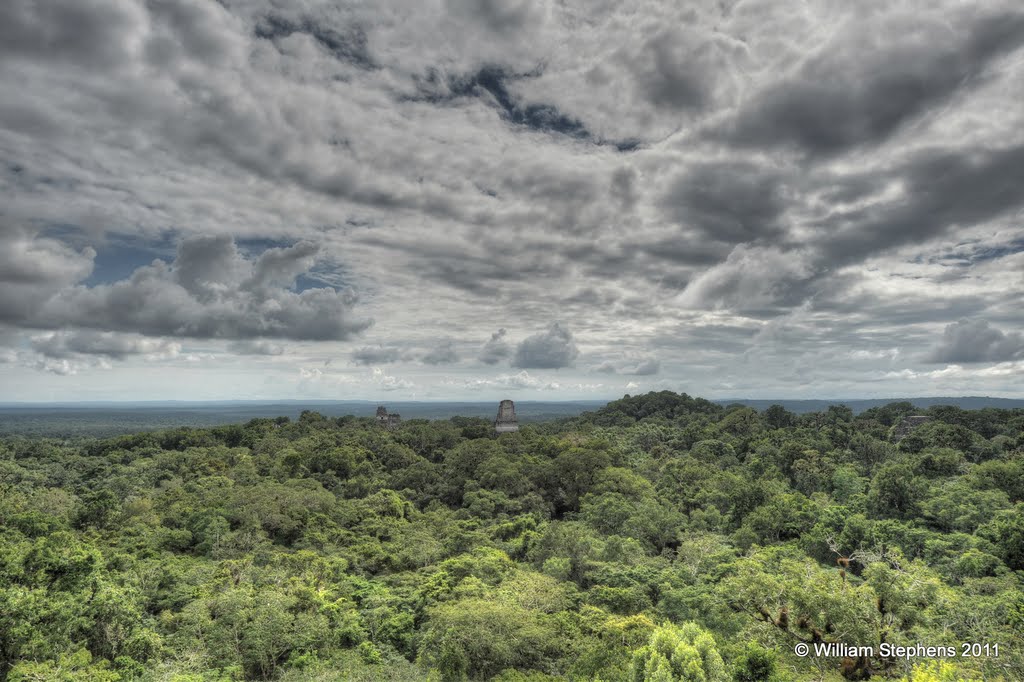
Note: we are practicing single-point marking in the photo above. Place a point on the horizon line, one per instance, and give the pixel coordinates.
(326, 401)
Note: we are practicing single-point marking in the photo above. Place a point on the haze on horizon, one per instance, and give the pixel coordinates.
(510, 198)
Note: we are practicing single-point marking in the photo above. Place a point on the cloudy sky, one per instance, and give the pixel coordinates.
(475, 199)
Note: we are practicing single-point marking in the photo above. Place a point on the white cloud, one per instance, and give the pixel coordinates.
(518, 381)
(211, 291)
(390, 383)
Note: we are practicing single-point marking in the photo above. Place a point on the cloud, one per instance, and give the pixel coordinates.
(754, 280)
(644, 366)
(868, 82)
(518, 381)
(390, 383)
(81, 33)
(864, 354)
(379, 355)
(442, 354)
(673, 69)
(775, 191)
(255, 347)
(491, 85)
(496, 349)
(957, 373)
(347, 43)
(62, 345)
(970, 341)
(937, 191)
(727, 201)
(34, 268)
(62, 367)
(550, 349)
(200, 357)
(500, 16)
(210, 290)
(623, 186)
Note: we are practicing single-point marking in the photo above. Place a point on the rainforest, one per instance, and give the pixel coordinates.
(659, 538)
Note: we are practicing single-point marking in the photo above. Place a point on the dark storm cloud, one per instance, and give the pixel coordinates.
(686, 251)
(496, 349)
(442, 354)
(551, 349)
(942, 190)
(729, 202)
(376, 355)
(205, 265)
(670, 72)
(859, 90)
(210, 291)
(86, 33)
(971, 341)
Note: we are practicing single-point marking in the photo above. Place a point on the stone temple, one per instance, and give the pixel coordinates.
(506, 421)
(386, 420)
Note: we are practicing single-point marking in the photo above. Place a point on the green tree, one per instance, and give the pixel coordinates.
(686, 653)
(895, 492)
(1006, 532)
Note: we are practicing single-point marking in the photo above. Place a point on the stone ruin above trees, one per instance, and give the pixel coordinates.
(506, 421)
(388, 421)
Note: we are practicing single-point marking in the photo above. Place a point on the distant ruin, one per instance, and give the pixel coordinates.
(388, 421)
(506, 420)
(903, 429)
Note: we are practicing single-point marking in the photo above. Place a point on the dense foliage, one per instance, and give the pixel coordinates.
(660, 538)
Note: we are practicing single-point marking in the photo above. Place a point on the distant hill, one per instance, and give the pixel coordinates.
(861, 405)
(102, 419)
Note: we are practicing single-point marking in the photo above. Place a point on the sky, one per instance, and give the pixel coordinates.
(526, 199)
